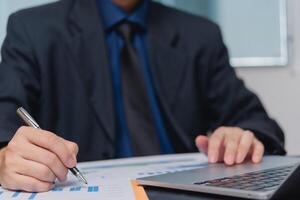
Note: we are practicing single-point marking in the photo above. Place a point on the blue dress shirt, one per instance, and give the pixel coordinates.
(111, 16)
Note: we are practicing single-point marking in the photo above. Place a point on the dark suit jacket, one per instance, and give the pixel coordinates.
(54, 63)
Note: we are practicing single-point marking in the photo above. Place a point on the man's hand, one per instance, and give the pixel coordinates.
(34, 159)
(231, 145)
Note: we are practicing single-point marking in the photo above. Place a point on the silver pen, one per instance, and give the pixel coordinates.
(26, 117)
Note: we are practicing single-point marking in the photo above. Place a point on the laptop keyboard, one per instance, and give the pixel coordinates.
(264, 180)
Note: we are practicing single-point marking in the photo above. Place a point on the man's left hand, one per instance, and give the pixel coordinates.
(231, 145)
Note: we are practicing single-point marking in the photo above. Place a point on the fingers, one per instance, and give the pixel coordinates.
(244, 146)
(214, 146)
(258, 151)
(51, 142)
(47, 158)
(202, 143)
(34, 158)
(231, 149)
(14, 170)
(26, 183)
(35, 170)
(231, 145)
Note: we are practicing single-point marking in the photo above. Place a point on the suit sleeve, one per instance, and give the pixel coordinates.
(19, 85)
(232, 104)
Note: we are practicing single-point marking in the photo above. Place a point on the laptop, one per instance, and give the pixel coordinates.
(277, 177)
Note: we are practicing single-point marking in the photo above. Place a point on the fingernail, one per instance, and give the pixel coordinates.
(230, 159)
(239, 159)
(213, 159)
(256, 159)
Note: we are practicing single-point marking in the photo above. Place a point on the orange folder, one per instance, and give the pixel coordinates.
(138, 191)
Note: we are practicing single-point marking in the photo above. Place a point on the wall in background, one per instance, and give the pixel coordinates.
(279, 88)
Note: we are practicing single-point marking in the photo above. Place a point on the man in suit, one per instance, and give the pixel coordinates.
(120, 78)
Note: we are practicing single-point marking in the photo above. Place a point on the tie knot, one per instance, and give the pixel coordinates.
(126, 30)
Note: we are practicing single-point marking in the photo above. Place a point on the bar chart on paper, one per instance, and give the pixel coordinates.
(111, 180)
(55, 192)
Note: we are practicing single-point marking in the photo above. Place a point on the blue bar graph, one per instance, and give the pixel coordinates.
(96, 188)
(16, 194)
(78, 189)
(93, 189)
(57, 189)
(75, 189)
(32, 196)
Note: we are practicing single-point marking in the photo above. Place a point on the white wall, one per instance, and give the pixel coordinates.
(279, 88)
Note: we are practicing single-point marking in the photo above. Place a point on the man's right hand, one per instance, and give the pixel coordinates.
(33, 160)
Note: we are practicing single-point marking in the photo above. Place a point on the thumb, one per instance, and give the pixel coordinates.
(202, 143)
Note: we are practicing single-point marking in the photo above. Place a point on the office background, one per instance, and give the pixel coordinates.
(277, 82)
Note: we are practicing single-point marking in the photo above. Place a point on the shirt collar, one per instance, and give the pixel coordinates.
(112, 14)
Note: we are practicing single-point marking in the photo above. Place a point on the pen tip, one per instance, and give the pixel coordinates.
(83, 179)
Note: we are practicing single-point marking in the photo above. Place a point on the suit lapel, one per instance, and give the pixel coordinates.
(89, 54)
(167, 60)
(167, 63)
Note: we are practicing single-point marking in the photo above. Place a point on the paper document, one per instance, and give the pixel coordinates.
(111, 179)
